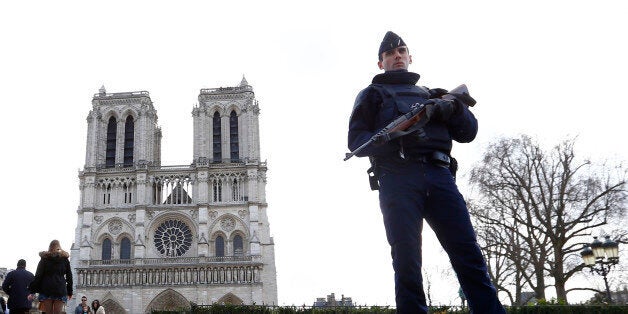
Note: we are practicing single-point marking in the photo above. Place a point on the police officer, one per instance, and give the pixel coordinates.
(415, 182)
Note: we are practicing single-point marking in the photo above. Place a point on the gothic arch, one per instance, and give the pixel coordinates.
(106, 229)
(168, 300)
(212, 243)
(228, 226)
(230, 298)
(242, 247)
(234, 107)
(115, 182)
(129, 112)
(111, 305)
(105, 248)
(119, 245)
(218, 233)
(102, 237)
(123, 235)
(109, 114)
(214, 109)
(239, 225)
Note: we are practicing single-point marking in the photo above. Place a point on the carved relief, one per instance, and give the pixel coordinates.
(132, 218)
(115, 227)
(213, 214)
(227, 224)
(98, 219)
(242, 213)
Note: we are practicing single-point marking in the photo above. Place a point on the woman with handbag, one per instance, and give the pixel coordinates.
(53, 279)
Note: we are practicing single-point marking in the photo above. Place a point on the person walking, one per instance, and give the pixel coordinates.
(415, 177)
(53, 279)
(16, 286)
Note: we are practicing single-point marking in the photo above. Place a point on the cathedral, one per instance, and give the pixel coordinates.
(152, 236)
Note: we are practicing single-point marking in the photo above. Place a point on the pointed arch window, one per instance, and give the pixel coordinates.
(129, 138)
(233, 137)
(128, 193)
(217, 138)
(235, 190)
(110, 153)
(125, 248)
(238, 247)
(106, 250)
(220, 246)
(217, 189)
(106, 198)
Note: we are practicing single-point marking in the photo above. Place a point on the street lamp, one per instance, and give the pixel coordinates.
(600, 258)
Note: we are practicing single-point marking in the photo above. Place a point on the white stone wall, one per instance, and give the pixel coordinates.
(139, 219)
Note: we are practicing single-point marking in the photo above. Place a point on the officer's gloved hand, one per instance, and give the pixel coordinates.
(437, 92)
(379, 138)
(440, 109)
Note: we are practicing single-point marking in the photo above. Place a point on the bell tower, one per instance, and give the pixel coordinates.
(122, 131)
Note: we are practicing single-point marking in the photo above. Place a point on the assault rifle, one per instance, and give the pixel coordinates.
(412, 121)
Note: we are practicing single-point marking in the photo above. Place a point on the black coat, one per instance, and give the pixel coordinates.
(54, 275)
(16, 286)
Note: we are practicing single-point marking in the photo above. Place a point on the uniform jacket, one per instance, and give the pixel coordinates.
(54, 274)
(16, 286)
(372, 112)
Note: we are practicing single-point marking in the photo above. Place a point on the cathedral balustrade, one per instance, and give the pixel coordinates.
(174, 275)
(247, 259)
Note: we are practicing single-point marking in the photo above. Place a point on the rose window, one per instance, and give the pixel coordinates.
(173, 238)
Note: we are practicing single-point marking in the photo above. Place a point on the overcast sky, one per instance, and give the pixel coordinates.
(550, 69)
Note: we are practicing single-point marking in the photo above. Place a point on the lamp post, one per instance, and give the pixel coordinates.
(600, 257)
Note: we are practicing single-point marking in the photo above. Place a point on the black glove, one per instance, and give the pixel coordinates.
(440, 109)
(437, 92)
(379, 138)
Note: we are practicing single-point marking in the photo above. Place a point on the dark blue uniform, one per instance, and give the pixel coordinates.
(415, 187)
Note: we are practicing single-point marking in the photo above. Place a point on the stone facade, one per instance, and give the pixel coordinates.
(159, 237)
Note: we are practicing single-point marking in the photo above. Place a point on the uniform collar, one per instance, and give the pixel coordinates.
(396, 77)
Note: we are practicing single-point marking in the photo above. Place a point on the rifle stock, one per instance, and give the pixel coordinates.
(460, 93)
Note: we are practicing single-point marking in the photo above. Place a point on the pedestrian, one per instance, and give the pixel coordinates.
(82, 307)
(53, 279)
(3, 305)
(415, 181)
(97, 308)
(16, 286)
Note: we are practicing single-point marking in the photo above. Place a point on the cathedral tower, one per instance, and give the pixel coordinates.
(159, 237)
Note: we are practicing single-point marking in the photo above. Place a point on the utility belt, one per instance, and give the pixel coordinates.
(435, 158)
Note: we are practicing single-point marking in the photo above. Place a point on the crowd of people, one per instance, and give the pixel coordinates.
(51, 285)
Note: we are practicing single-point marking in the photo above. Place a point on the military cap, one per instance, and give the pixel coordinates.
(390, 41)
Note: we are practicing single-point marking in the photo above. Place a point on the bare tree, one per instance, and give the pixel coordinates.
(535, 209)
(501, 250)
